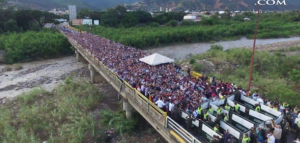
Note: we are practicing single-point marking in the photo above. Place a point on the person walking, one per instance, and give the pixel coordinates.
(277, 131)
(285, 132)
(260, 135)
(227, 137)
(271, 138)
(253, 136)
(246, 139)
(189, 122)
(216, 128)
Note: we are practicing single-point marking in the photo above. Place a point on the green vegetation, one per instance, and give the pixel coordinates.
(272, 25)
(63, 116)
(68, 114)
(23, 20)
(119, 17)
(274, 75)
(33, 45)
(117, 121)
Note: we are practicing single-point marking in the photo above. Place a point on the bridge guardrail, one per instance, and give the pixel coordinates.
(181, 131)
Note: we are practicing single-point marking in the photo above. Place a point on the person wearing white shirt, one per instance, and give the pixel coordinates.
(195, 114)
(297, 141)
(277, 131)
(204, 99)
(271, 138)
(261, 101)
(143, 88)
(160, 103)
(171, 106)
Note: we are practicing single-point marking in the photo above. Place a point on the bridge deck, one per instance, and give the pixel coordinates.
(154, 115)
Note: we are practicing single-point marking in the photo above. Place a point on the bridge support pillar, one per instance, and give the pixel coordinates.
(78, 56)
(128, 108)
(94, 75)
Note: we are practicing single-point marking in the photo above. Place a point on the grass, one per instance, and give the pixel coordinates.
(274, 75)
(69, 114)
(292, 49)
(62, 116)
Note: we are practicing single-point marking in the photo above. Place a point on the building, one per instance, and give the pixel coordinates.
(57, 12)
(72, 12)
(194, 18)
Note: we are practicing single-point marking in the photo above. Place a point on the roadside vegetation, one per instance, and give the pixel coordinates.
(33, 45)
(274, 75)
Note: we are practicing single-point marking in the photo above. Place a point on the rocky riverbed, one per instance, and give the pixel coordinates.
(47, 74)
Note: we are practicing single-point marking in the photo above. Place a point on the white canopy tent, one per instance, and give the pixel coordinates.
(156, 59)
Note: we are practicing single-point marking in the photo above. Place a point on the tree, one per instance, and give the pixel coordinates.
(226, 15)
(83, 13)
(143, 16)
(11, 25)
(121, 11)
(172, 23)
(110, 18)
(129, 21)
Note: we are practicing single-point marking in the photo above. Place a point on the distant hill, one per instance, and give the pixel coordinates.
(177, 4)
(223, 4)
(91, 4)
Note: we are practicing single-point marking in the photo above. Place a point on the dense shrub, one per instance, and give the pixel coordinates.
(192, 61)
(172, 23)
(32, 45)
(216, 47)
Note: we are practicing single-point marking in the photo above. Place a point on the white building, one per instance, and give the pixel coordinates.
(72, 12)
(57, 12)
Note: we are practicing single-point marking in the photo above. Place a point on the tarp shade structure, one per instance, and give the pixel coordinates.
(156, 59)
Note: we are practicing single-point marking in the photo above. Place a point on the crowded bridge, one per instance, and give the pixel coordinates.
(201, 101)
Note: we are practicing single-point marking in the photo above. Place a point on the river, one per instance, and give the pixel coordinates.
(182, 51)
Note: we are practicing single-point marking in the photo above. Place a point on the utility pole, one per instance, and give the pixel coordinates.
(253, 50)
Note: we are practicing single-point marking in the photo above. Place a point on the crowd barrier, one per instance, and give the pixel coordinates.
(242, 107)
(215, 107)
(181, 131)
(237, 134)
(241, 123)
(207, 132)
(248, 102)
(195, 74)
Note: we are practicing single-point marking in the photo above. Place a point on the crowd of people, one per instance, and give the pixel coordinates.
(171, 88)
(164, 84)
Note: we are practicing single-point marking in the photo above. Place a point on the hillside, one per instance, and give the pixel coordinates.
(222, 4)
(177, 4)
(91, 4)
